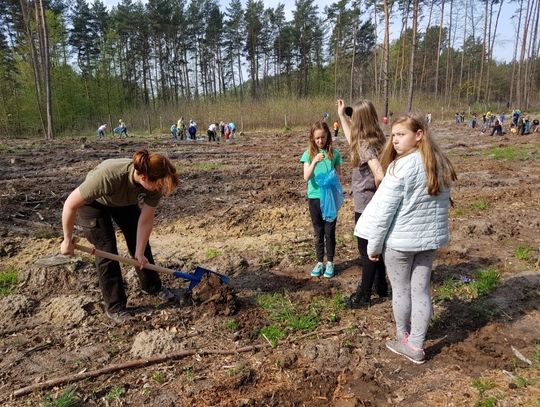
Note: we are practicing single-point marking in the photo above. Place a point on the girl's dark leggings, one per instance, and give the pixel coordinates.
(372, 271)
(324, 232)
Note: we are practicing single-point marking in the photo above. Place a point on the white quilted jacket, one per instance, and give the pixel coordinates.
(402, 215)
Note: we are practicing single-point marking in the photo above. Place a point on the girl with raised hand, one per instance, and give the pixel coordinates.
(366, 139)
(405, 222)
(319, 160)
(126, 191)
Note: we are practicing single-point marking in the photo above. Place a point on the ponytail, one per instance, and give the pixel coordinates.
(157, 168)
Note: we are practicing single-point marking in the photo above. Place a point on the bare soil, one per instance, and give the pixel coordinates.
(240, 210)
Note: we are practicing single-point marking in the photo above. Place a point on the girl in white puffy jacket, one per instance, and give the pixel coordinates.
(405, 222)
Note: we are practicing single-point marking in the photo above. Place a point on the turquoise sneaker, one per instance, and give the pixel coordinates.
(329, 271)
(317, 270)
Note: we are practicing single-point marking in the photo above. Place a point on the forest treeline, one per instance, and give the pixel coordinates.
(67, 66)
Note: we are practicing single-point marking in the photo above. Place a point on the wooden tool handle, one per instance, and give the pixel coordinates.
(126, 260)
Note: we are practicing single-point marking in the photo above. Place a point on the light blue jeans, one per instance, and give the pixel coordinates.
(410, 276)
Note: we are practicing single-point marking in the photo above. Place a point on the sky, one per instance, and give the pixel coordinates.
(504, 40)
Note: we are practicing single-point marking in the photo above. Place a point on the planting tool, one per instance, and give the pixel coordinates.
(194, 278)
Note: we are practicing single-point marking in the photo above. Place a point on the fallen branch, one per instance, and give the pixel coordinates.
(520, 356)
(133, 364)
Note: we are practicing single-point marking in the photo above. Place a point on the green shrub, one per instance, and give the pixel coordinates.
(8, 280)
(486, 280)
(67, 399)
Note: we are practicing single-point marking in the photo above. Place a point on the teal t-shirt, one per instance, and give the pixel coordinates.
(322, 167)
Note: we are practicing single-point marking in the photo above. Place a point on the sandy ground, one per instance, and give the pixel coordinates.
(240, 210)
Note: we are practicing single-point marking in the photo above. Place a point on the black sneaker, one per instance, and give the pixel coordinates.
(355, 301)
(119, 317)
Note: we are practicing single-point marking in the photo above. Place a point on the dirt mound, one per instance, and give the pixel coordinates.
(153, 343)
(216, 297)
(68, 310)
(16, 305)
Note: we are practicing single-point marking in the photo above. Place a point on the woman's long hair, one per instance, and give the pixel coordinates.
(157, 168)
(313, 150)
(365, 129)
(439, 170)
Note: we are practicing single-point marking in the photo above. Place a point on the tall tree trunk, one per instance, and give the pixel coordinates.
(491, 48)
(423, 74)
(386, 57)
(336, 54)
(521, 84)
(514, 57)
(353, 59)
(463, 50)
(34, 62)
(413, 54)
(529, 80)
(402, 67)
(484, 50)
(46, 63)
(439, 49)
(447, 79)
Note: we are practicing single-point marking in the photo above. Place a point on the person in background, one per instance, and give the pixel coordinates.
(212, 129)
(181, 126)
(406, 222)
(123, 192)
(336, 128)
(321, 158)
(101, 130)
(497, 129)
(366, 140)
(192, 130)
(121, 130)
(222, 129)
(174, 132)
(535, 128)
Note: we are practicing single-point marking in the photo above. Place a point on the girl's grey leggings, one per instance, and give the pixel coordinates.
(410, 275)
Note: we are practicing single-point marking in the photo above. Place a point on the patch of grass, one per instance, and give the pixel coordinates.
(536, 353)
(521, 382)
(486, 280)
(66, 399)
(189, 373)
(483, 385)
(9, 278)
(231, 324)
(4, 148)
(483, 283)
(480, 204)
(159, 377)
(213, 253)
(304, 322)
(487, 402)
(447, 290)
(272, 334)
(522, 253)
(458, 211)
(511, 153)
(208, 166)
(281, 310)
(238, 369)
(116, 392)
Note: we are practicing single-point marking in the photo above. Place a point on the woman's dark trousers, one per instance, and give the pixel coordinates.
(97, 223)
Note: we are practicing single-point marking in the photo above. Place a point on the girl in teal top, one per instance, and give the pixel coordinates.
(321, 158)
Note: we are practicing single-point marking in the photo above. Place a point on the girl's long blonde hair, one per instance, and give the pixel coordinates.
(313, 150)
(365, 129)
(439, 170)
